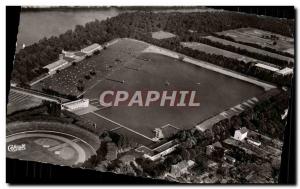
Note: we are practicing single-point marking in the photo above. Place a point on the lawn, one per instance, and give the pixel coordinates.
(215, 91)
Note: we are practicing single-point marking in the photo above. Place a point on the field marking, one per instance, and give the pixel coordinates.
(105, 77)
(123, 126)
(174, 126)
(116, 128)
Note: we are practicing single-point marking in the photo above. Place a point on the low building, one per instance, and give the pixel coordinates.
(267, 67)
(75, 105)
(57, 65)
(181, 168)
(91, 49)
(158, 152)
(158, 134)
(229, 159)
(74, 56)
(253, 142)
(285, 71)
(241, 134)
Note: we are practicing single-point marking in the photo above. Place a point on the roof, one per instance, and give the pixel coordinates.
(267, 67)
(79, 53)
(55, 64)
(229, 158)
(76, 101)
(253, 140)
(69, 59)
(91, 47)
(285, 71)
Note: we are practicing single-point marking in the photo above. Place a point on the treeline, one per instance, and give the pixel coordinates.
(139, 25)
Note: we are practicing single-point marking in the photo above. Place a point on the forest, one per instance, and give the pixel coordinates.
(29, 62)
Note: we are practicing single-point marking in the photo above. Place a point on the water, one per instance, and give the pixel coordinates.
(37, 25)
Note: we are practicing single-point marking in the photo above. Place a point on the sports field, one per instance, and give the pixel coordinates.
(50, 142)
(262, 38)
(149, 71)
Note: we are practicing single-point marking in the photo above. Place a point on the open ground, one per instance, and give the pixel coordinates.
(150, 71)
(255, 36)
(250, 49)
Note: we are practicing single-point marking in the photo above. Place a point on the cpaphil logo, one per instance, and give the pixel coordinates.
(15, 147)
(148, 98)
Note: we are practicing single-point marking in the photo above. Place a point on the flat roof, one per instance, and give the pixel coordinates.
(55, 64)
(79, 53)
(285, 70)
(91, 47)
(266, 67)
(69, 59)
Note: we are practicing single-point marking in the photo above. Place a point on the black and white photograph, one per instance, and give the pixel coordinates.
(180, 94)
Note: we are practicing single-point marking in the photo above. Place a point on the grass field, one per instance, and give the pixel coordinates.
(250, 49)
(255, 36)
(213, 50)
(162, 35)
(215, 91)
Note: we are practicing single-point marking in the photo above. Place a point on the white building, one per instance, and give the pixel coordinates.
(229, 159)
(57, 65)
(75, 105)
(285, 71)
(241, 134)
(267, 67)
(76, 56)
(253, 142)
(91, 49)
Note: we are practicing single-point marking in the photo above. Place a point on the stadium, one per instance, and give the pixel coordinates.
(132, 65)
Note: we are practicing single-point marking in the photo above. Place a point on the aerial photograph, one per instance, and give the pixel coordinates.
(189, 94)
